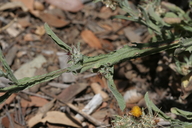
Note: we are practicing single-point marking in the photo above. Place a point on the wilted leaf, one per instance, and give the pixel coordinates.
(31, 37)
(7, 101)
(38, 6)
(90, 38)
(97, 89)
(105, 13)
(50, 19)
(131, 35)
(67, 5)
(12, 5)
(24, 22)
(35, 101)
(107, 45)
(29, 69)
(70, 92)
(40, 30)
(54, 117)
(28, 3)
(35, 120)
(53, 20)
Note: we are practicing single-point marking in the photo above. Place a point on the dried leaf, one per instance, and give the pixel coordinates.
(40, 30)
(14, 30)
(107, 45)
(131, 35)
(35, 101)
(90, 38)
(7, 101)
(12, 5)
(101, 115)
(31, 37)
(97, 89)
(11, 54)
(54, 117)
(35, 120)
(24, 22)
(28, 3)
(105, 13)
(132, 96)
(6, 121)
(67, 5)
(45, 108)
(70, 92)
(29, 69)
(52, 20)
(38, 6)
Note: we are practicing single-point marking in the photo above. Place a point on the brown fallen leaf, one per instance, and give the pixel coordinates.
(132, 96)
(45, 108)
(12, 5)
(107, 45)
(97, 89)
(105, 26)
(35, 120)
(53, 20)
(7, 101)
(101, 115)
(85, 115)
(24, 22)
(90, 38)
(31, 37)
(35, 101)
(38, 6)
(67, 5)
(10, 56)
(131, 35)
(41, 113)
(6, 121)
(99, 79)
(40, 30)
(50, 19)
(28, 3)
(9, 122)
(54, 117)
(105, 13)
(14, 29)
(69, 93)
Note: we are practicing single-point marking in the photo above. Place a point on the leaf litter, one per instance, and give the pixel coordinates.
(56, 103)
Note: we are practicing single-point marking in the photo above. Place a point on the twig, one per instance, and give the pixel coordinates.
(88, 117)
(58, 85)
(9, 117)
(8, 25)
(33, 94)
(21, 114)
(82, 99)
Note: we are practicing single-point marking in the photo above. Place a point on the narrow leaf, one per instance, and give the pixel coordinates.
(108, 73)
(153, 107)
(117, 95)
(9, 73)
(186, 114)
(56, 39)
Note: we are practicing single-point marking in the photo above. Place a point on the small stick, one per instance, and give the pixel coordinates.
(9, 117)
(88, 117)
(8, 25)
(33, 94)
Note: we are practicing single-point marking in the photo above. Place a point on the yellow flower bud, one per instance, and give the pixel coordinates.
(136, 111)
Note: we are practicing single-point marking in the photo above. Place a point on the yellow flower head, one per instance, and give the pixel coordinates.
(136, 111)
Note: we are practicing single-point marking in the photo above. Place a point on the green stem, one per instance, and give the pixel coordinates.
(126, 53)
